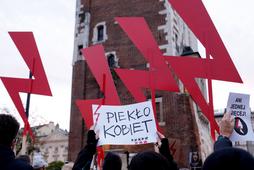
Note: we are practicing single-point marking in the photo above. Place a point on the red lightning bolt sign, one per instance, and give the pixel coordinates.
(146, 79)
(26, 45)
(99, 67)
(220, 67)
(160, 74)
(159, 77)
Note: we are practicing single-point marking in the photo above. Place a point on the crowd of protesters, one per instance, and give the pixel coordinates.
(224, 157)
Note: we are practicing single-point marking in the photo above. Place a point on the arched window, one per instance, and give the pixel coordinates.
(99, 33)
(112, 59)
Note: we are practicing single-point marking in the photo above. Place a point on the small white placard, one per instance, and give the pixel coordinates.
(238, 106)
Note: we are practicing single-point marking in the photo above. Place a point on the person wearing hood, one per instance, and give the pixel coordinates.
(9, 127)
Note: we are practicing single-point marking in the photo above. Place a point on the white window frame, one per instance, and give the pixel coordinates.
(95, 33)
(161, 122)
(116, 59)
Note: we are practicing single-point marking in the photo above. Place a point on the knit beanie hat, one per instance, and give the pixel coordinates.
(149, 160)
(112, 162)
(229, 158)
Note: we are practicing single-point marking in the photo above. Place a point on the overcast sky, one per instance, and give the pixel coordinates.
(52, 22)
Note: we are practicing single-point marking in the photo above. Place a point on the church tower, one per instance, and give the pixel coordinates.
(177, 113)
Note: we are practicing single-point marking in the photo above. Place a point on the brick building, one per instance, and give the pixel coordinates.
(178, 115)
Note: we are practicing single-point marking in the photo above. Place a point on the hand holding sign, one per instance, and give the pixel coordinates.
(240, 110)
(126, 125)
(227, 125)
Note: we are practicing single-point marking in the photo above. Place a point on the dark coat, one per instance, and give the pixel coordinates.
(164, 150)
(8, 161)
(222, 143)
(85, 156)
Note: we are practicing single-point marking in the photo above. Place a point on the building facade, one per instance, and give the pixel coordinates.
(52, 142)
(188, 130)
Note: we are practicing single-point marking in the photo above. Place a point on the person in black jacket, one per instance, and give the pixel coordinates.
(8, 130)
(225, 156)
(142, 161)
(85, 156)
(24, 158)
(165, 151)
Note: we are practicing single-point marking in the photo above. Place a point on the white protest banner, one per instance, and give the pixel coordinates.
(238, 106)
(125, 125)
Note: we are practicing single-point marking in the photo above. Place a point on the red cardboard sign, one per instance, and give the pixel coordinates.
(217, 64)
(27, 47)
(96, 60)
